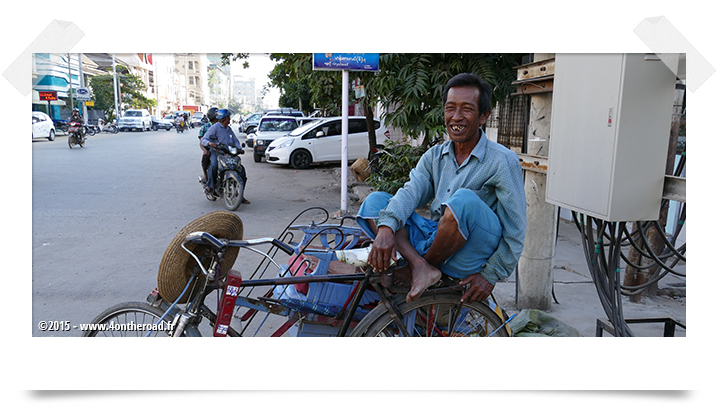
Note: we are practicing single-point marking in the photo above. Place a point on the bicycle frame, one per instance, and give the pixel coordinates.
(332, 237)
(233, 292)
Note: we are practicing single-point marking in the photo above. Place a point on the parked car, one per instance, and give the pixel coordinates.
(135, 119)
(321, 141)
(197, 119)
(169, 119)
(161, 123)
(285, 111)
(42, 126)
(250, 123)
(270, 128)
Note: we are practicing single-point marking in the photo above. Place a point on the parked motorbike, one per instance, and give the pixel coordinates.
(229, 179)
(76, 134)
(89, 130)
(61, 125)
(104, 127)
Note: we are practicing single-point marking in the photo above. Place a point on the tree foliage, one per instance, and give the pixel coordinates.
(410, 86)
(296, 95)
(228, 57)
(324, 86)
(131, 88)
(393, 168)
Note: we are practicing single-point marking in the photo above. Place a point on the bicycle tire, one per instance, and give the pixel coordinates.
(474, 319)
(135, 316)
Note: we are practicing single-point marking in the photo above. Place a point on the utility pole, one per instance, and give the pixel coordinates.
(116, 90)
(82, 85)
(535, 268)
(70, 83)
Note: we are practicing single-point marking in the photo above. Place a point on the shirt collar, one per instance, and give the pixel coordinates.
(478, 151)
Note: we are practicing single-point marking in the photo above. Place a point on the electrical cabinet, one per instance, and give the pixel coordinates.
(609, 133)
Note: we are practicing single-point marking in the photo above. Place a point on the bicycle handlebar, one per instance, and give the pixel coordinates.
(218, 244)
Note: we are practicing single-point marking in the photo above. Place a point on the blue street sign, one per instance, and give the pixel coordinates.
(344, 61)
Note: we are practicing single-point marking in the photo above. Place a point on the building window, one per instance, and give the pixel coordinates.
(511, 121)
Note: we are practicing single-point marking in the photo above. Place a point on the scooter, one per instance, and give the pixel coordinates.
(230, 177)
(107, 127)
(75, 134)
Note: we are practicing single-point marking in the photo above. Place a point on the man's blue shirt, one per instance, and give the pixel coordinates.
(492, 172)
(224, 135)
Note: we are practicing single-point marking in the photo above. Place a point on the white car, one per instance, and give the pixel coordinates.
(197, 119)
(321, 141)
(270, 128)
(42, 126)
(135, 119)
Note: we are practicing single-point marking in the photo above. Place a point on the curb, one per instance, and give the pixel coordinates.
(357, 191)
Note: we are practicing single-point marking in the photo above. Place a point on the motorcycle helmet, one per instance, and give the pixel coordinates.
(223, 113)
(212, 114)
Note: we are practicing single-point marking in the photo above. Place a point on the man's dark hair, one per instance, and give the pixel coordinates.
(469, 79)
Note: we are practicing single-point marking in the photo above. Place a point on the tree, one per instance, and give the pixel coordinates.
(324, 86)
(296, 95)
(410, 86)
(228, 57)
(131, 88)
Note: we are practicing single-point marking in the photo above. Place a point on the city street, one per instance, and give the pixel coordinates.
(103, 215)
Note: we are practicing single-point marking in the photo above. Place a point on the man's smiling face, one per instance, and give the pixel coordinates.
(462, 114)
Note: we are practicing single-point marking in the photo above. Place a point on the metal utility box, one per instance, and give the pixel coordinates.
(609, 133)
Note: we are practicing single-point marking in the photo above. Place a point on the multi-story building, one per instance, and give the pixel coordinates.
(191, 75)
(244, 93)
(166, 90)
(139, 64)
(219, 80)
(54, 73)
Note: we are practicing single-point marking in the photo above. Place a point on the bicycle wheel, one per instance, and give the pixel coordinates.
(129, 319)
(433, 316)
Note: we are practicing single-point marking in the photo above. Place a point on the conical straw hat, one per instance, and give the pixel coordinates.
(177, 265)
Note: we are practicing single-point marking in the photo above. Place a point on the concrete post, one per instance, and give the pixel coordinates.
(535, 268)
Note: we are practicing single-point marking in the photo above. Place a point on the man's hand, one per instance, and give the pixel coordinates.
(479, 288)
(383, 250)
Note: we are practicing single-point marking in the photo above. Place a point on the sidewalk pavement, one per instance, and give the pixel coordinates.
(578, 304)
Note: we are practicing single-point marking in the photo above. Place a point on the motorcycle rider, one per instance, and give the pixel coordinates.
(221, 133)
(211, 116)
(179, 122)
(77, 118)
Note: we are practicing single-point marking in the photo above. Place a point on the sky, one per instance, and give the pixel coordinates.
(260, 66)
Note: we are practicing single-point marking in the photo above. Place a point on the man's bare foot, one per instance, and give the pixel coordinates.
(424, 275)
(399, 281)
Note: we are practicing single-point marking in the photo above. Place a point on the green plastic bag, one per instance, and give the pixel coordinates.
(535, 323)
